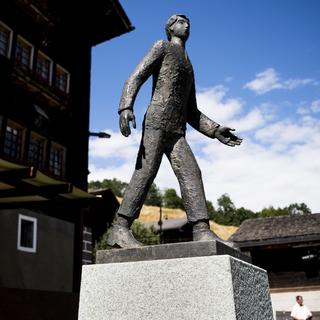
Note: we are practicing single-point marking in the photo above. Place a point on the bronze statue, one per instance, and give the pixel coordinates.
(173, 104)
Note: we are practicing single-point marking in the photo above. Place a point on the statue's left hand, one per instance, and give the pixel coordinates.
(126, 116)
(225, 136)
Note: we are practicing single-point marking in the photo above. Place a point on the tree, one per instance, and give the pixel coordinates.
(154, 197)
(243, 214)
(226, 210)
(211, 210)
(272, 212)
(172, 200)
(95, 185)
(147, 235)
(226, 213)
(298, 209)
(225, 204)
(115, 185)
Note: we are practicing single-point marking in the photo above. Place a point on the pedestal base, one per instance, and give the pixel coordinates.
(199, 287)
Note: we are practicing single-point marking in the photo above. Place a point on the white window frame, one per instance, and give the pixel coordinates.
(40, 53)
(10, 38)
(68, 78)
(19, 38)
(32, 249)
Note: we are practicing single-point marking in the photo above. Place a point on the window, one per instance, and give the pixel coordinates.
(62, 79)
(27, 233)
(36, 152)
(44, 68)
(24, 53)
(57, 159)
(13, 140)
(5, 40)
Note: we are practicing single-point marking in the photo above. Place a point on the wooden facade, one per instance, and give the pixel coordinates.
(45, 211)
(288, 247)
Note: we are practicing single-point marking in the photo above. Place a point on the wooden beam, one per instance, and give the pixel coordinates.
(26, 189)
(14, 176)
(56, 204)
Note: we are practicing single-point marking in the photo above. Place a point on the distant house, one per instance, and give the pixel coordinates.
(288, 247)
(46, 214)
(174, 230)
(173, 226)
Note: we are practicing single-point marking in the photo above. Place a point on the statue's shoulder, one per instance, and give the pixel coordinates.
(160, 45)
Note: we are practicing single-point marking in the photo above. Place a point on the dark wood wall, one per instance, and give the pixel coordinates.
(289, 266)
(17, 304)
(68, 113)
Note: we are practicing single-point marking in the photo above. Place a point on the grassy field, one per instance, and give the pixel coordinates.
(151, 214)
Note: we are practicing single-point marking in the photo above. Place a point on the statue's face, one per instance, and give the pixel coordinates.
(181, 28)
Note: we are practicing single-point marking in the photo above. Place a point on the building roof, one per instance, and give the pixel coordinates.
(170, 224)
(283, 229)
(95, 20)
(105, 20)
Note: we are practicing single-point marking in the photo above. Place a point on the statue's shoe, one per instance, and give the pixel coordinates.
(122, 237)
(207, 235)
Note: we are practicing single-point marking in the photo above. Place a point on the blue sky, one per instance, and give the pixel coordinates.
(257, 69)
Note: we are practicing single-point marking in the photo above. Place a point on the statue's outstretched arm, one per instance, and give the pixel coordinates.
(197, 119)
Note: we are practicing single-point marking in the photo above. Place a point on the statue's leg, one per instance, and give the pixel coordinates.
(147, 165)
(188, 173)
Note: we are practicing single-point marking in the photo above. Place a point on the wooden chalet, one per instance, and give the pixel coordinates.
(47, 217)
(288, 247)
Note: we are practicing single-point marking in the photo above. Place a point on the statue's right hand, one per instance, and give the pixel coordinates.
(124, 122)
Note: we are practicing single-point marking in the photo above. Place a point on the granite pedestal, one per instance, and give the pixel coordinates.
(157, 283)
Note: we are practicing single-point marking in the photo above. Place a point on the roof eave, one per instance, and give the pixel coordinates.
(277, 241)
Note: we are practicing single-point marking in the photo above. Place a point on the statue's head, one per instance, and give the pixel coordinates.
(172, 21)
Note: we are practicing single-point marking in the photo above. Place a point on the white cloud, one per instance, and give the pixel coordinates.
(294, 83)
(285, 132)
(264, 81)
(215, 105)
(307, 109)
(315, 106)
(269, 79)
(276, 165)
(117, 147)
(303, 110)
(257, 176)
(122, 172)
(310, 121)
(255, 118)
(228, 79)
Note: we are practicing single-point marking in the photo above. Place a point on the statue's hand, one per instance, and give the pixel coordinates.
(124, 122)
(225, 136)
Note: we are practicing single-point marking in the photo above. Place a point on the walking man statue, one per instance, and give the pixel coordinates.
(173, 104)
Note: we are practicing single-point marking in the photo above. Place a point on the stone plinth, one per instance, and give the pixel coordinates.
(202, 286)
(169, 251)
